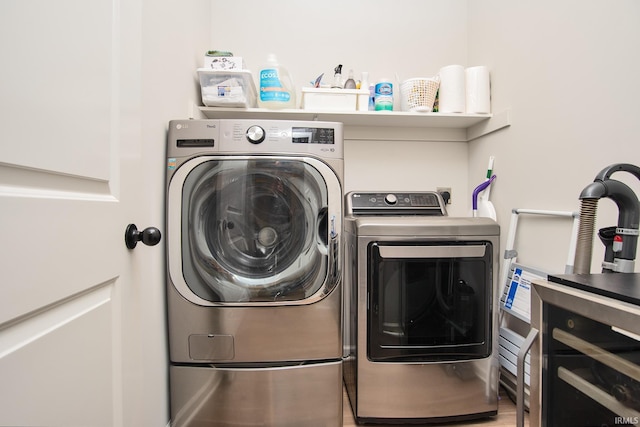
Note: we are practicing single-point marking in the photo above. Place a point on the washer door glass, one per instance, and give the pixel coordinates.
(254, 230)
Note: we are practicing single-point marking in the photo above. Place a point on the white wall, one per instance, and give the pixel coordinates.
(413, 38)
(565, 70)
(569, 73)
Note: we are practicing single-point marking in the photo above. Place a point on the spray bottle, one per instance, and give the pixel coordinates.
(276, 86)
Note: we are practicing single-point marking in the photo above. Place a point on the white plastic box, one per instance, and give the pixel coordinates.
(326, 99)
(227, 88)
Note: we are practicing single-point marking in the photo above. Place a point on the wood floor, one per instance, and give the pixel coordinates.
(506, 415)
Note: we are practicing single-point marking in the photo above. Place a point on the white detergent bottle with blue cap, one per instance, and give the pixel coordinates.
(276, 86)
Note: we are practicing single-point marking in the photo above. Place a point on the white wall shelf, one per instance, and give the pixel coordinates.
(368, 124)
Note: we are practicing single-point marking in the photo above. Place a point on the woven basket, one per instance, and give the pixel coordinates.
(419, 94)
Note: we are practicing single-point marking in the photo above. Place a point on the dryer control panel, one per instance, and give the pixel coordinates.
(396, 203)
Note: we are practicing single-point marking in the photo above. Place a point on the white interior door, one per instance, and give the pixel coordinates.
(70, 155)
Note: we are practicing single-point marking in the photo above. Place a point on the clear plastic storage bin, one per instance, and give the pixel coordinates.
(226, 88)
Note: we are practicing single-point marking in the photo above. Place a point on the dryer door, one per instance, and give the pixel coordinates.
(255, 229)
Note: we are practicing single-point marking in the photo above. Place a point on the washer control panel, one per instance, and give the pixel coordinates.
(244, 136)
(413, 203)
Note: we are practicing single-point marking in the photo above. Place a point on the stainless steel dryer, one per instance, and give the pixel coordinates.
(254, 229)
(421, 291)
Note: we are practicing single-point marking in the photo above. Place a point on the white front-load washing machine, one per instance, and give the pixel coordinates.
(254, 230)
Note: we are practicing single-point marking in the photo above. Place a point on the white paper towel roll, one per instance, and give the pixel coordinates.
(452, 93)
(478, 90)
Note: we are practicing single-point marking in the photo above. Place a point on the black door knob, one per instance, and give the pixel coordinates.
(150, 236)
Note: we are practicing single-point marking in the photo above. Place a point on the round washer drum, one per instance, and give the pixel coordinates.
(254, 229)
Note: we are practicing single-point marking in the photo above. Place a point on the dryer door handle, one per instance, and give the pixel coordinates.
(150, 236)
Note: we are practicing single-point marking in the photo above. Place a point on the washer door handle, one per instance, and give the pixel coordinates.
(150, 236)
